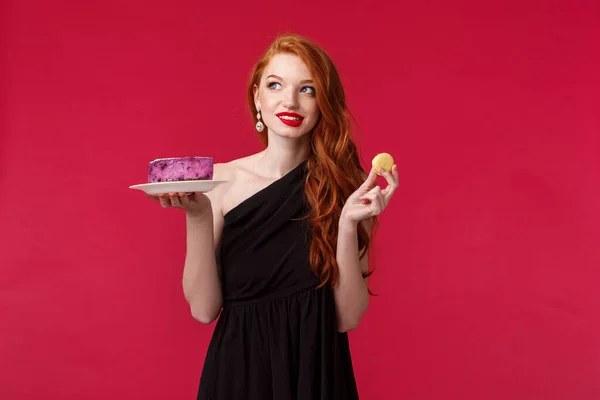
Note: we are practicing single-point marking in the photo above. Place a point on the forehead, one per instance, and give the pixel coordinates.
(287, 66)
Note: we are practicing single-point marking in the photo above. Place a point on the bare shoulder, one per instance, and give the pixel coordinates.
(221, 172)
(243, 182)
(232, 173)
(240, 170)
(242, 165)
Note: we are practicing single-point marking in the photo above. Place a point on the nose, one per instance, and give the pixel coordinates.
(290, 99)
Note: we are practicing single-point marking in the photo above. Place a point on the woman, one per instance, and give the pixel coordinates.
(280, 250)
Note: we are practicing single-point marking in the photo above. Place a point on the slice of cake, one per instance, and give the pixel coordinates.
(180, 169)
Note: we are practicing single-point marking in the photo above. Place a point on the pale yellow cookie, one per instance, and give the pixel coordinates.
(382, 160)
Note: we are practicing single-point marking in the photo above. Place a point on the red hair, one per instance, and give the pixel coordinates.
(334, 170)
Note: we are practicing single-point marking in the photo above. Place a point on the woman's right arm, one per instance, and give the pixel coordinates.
(204, 224)
(201, 283)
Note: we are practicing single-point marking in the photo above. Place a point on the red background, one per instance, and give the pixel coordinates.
(487, 259)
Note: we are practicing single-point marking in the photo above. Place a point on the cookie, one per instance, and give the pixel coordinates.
(382, 160)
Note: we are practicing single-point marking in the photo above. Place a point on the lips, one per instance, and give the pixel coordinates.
(291, 119)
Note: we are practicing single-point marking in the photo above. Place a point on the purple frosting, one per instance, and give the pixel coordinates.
(180, 169)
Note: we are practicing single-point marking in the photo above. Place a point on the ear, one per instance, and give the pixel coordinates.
(256, 99)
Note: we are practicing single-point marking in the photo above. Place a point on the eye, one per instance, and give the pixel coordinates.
(272, 85)
(310, 90)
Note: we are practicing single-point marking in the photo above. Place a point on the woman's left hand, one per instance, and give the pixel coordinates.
(369, 199)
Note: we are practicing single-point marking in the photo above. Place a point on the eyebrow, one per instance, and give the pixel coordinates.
(277, 77)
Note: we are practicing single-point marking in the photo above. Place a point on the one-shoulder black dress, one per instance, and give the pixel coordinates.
(276, 337)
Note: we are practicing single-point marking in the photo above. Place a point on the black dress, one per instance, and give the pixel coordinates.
(276, 337)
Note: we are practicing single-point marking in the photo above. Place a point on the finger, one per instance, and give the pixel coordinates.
(186, 199)
(196, 196)
(388, 194)
(377, 205)
(376, 197)
(152, 197)
(371, 192)
(392, 179)
(389, 190)
(378, 209)
(183, 199)
(391, 176)
(367, 198)
(381, 199)
(373, 204)
(175, 200)
(370, 181)
(371, 195)
(395, 174)
(164, 201)
(388, 176)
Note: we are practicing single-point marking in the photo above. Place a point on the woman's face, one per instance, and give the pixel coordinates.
(286, 97)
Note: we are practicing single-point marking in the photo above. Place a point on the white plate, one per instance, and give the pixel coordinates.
(178, 186)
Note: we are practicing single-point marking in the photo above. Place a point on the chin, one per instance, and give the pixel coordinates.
(291, 133)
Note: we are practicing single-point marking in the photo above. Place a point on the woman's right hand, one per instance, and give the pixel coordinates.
(195, 203)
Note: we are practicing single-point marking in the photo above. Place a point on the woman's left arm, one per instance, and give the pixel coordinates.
(351, 292)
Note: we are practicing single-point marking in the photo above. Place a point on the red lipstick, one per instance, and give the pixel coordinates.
(293, 119)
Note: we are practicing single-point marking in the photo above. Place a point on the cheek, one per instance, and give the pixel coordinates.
(316, 114)
(313, 109)
(314, 119)
(267, 103)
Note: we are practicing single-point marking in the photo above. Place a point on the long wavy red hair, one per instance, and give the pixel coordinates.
(334, 170)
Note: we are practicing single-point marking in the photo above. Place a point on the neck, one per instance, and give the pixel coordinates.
(283, 154)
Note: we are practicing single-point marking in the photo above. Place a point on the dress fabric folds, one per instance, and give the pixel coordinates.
(276, 336)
